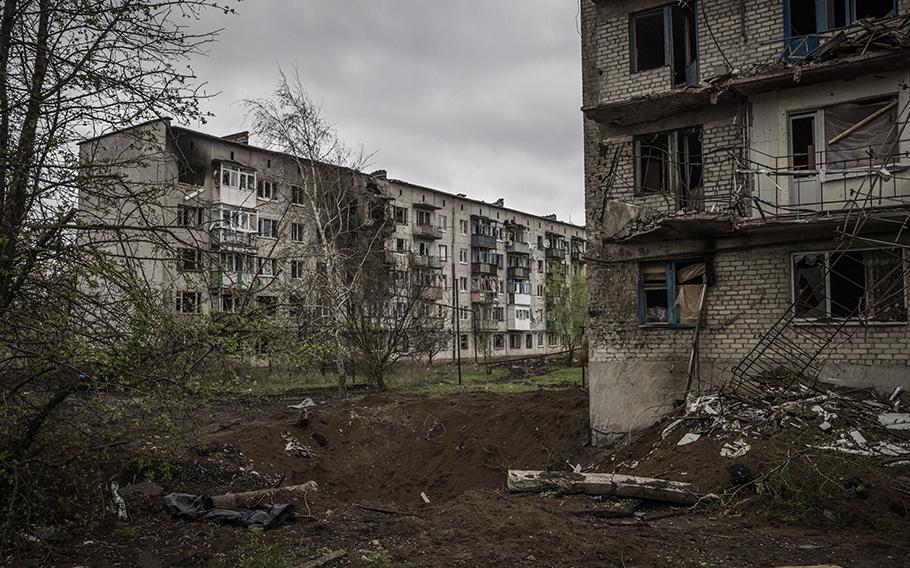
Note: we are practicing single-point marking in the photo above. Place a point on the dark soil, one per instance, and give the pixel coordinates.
(382, 451)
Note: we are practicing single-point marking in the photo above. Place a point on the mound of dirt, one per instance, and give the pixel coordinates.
(392, 447)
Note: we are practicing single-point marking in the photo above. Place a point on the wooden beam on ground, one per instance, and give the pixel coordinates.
(253, 498)
(520, 481)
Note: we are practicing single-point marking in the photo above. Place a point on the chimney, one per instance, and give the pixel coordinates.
(551, 217)
(380, 174)
(500, 202)
(241, 137)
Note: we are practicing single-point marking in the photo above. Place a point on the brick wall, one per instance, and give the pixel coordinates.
(751, 291)
(726, 39)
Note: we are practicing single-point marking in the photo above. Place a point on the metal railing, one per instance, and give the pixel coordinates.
(427, 231)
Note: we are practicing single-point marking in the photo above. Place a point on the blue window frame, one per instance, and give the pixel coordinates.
(667, 35)
(669, 293)
(804, 19)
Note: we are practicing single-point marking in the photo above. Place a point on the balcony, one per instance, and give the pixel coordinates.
(482, 297)
(484, 268)
(518, 247)
(427, 232)
(578, 256)
(427, 261)
(483, 241)
(522, 272)
(520, 299)
(515, 324)
(556, 254)
(229, 238)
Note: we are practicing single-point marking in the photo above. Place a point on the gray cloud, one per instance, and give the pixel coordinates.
(473, 96)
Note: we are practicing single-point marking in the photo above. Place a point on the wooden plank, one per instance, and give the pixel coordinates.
(252, 498)
(520, 481)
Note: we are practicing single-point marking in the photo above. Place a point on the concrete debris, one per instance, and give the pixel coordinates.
(306, 403)
(602, 484)
(688, 439)
(736, 449)
(895, 420)
(837, 421)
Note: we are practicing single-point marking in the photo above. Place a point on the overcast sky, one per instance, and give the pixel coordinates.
(469, 96)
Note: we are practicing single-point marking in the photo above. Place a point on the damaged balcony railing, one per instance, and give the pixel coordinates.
(833, 181)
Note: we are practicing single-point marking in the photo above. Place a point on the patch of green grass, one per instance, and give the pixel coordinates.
(379, 557)
(416, 379)
(255, 553)
(282, 382)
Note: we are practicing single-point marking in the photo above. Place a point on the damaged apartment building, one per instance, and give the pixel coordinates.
(747, 196)
(242, 230)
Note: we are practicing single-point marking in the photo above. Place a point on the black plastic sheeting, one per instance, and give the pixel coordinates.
(199, 508)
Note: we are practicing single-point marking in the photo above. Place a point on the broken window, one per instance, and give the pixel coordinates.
(802, 143)
(652, 156)
(648, 33)
(671, 162)
(861, 133)
(529, 341)
(499, 341)
(805, 19)
(872, 8)
(809, 285)
(401, 215)
(666, 36)
(671, 292)
(866, 284)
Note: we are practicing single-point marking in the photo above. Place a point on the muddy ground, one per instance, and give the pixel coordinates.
(383, 451)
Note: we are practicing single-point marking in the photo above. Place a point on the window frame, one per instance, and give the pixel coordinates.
(802, 320)
(674, 180)
(298, 197)
(179, 302)
(666, 13)
(819, 116)
(273, 227)
(672, 292)
(196, 261)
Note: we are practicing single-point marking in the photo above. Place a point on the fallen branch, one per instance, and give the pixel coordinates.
(386, 511)
(230, 500)
(603, 484)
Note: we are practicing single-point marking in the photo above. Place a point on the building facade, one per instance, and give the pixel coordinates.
(746, 193)
(238, 218)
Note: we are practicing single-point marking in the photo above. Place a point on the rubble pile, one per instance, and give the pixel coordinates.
(854, 422)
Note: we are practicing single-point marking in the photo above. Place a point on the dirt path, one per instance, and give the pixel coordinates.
(383, 451)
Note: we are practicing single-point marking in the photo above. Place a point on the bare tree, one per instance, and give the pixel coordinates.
(392, 315)
(345, 206)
